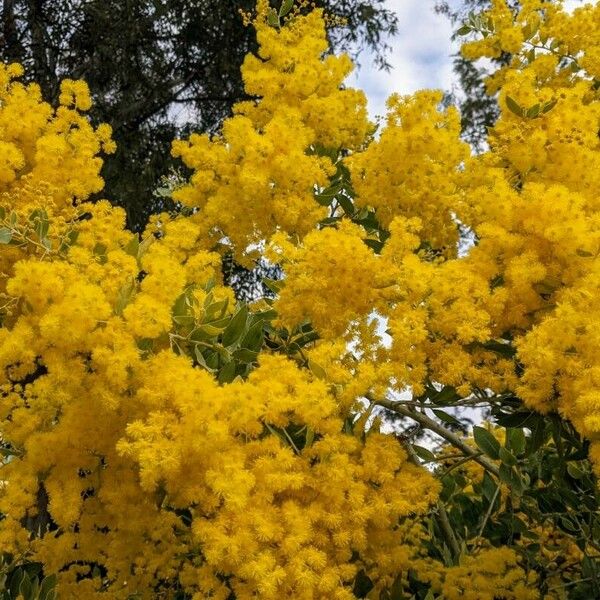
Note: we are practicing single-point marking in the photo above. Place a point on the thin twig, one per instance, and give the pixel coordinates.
(442, 515)
(488, 513)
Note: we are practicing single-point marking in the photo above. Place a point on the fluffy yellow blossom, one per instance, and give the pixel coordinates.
(420, 181)
(261, 163)
(324, 284)
(42, 146)
(491, 574)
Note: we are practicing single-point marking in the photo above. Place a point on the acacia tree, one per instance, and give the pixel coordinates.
(163, 441)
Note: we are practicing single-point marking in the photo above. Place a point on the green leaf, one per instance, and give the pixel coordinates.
(330, 221)
(317, 370)
(35, 588)
(488, 486)
(124, 296)
(274, 285)
(362, 585)
(346, 204)
(227, 373)
(212, 360)
(225, 355)
(181, 311)
(548, 106)
(445, 417)
(533, 111)
(15, 582)
(310, 437)
(25, 588)
(210, 330)
(285, 8)
(5, 235)
(216, 310)
(447, 395)
(220, 324)
(517, 419)
(253, 338)
(375, 245)
(574, 471)
(245, 356)
(69, 240)
(464, 30)
(201, 360)
(516, 440)
(516, 524)
(486, 442)
(325, 197)
(511, 477)
(514, 107)
(233, 332)
(264, 315)
(273, 18)
(423, 453)
(39, 218)
(132, 247)
(507, 457)
(538, 436)
(47, 587)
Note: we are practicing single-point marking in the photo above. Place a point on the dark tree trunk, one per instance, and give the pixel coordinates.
(39, 48)
(14, 50)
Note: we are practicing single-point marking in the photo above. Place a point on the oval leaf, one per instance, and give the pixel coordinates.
(486, 442)
(233, 332)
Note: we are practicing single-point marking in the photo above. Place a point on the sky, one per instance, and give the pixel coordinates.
(420, 56)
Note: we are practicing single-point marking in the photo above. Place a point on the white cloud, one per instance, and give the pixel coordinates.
(420, 56)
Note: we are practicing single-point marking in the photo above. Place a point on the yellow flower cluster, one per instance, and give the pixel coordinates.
(324, 285)
(537, 217)
(42, 146)
(420, 181)
(259, 167)
(491, 574)
(282, 514)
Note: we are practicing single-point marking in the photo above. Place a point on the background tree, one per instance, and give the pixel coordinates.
(157, 69)
(478, 109)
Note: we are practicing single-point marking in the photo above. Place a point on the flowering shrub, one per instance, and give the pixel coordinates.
(162, 440)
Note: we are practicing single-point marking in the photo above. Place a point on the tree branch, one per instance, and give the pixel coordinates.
(441, 516)
(429, 423)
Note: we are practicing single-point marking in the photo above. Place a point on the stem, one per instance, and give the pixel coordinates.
(429, 423)
(459, 463)
(569, 583)
(488, 514)
(444, 523)
(442, 515)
